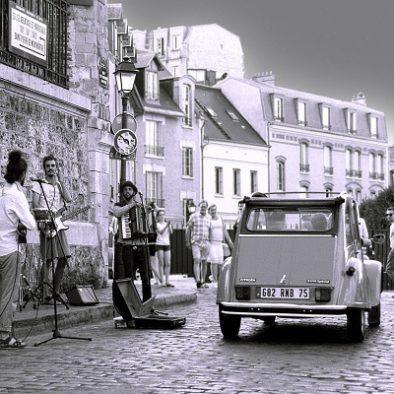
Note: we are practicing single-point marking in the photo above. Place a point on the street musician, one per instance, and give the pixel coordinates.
(51, 194)
(131, 250)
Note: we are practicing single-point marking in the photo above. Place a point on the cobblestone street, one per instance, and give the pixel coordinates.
(307, 356)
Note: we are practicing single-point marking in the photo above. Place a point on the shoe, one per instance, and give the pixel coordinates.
(198, 285)
(210, 278)
(205, 285)
(169, 285)
(11, 343)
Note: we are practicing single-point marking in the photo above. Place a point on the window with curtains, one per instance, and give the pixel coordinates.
(187, 105)
(327, 159)
(280, 176)
(304, 160)
(253, 181)
(373, 126)
(218, 180)
(154, 187)
(278, 109)
(301, 113)
(151, 85)
(236, 181)
(326, 117)
(187, 162)
(152, 139)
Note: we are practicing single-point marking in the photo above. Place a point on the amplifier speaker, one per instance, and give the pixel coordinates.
(82, 295)
(127, 300)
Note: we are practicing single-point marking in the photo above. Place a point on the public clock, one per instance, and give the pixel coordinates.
(125, 142)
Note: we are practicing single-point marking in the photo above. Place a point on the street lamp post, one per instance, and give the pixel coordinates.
(125, 74)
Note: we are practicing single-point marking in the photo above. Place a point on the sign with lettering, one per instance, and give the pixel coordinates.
(28, 34)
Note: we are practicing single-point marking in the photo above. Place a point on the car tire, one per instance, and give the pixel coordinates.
(229, 325)
(269, 320)
(374, 316)
(356, 324)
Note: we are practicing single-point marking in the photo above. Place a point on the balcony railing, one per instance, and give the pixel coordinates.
(154, 150)
(304, 167)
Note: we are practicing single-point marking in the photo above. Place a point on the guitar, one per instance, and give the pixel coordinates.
(59, 217)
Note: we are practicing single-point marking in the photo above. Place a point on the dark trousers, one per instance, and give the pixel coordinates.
(129, 258)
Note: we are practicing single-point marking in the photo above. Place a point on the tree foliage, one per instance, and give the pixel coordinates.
(373, 209)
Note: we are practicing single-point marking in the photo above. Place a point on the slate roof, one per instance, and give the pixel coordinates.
(223, 121)
(313, 110)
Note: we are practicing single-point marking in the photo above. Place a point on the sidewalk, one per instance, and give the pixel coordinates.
(42, 319)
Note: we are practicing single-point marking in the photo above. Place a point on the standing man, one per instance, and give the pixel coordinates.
(390, 257)
(131, 252)
(197, 238)
(14, 215)
(51, 193)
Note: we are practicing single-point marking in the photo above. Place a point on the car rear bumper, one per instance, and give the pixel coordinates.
(281, 310)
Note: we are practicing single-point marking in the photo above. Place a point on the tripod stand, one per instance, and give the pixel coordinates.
(49, 227)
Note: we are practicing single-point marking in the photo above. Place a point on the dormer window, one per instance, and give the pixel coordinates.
(351, 122)
(373, 126)
(301, 113)
(159, 49)
(176, 41)
(278, 109)
(326, 117)
(151, 86)
(187, 105)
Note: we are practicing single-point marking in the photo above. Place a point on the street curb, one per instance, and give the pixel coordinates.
(77, 315)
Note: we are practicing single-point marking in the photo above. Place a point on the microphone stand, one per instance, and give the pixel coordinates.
(55, 295)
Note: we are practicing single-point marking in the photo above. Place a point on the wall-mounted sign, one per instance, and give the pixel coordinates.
(103, 73)
(125, 142)
(28, 34)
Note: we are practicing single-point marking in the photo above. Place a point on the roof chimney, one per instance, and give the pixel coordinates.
(265, 77)
(360, 99)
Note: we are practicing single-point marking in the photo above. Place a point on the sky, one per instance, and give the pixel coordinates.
(335, 48)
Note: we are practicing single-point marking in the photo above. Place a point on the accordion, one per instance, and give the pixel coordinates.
(134, 224)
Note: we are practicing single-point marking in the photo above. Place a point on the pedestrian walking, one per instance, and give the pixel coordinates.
(197, 238)
(163, 246)
(390, 257)
(15, 218)
(218, 235)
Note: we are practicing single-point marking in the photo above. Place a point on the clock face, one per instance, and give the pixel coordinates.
(125, 142)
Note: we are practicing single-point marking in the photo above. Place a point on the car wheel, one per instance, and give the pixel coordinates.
(269, 320)
(229, 325)
(355, 324)
(374, 316)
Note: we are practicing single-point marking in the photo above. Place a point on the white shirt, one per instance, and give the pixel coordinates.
(14, 209)
(392, 236)
(52, 193)
(164, 237)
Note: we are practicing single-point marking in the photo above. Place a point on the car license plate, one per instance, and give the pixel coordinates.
(285, 293)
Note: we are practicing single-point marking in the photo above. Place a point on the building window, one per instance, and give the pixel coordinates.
(187, 106)
(160, 50)
(372, 165)
(237, 181)
(301, 113)
(349, 162)
(357, 164)
(326, 117)
(151, 139)
(253, 182)
(304, 189)
(380, 166)
(280, 176)
(187, 162)
(278, 109)
(373, 126)
(176, 41)
(327, 158)
(198, 75)
(358, 195)
(218, 180)
(304, 161)
(351, 121)
(151, 85)
(154, 187)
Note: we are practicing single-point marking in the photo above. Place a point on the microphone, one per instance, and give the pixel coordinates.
(140, 193)
(38, 180)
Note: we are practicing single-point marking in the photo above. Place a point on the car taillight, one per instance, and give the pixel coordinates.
(242, 292)
(323, 294)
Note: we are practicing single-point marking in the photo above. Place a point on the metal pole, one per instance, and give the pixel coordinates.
(124, 126)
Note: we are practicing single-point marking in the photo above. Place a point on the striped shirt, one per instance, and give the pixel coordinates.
(200, 226)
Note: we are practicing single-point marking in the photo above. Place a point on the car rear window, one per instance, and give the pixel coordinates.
(294, 219)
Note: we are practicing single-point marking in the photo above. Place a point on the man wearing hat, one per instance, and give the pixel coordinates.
(130, 253)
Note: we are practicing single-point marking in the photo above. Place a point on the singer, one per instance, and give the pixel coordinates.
(130, 253)
(56, 247)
